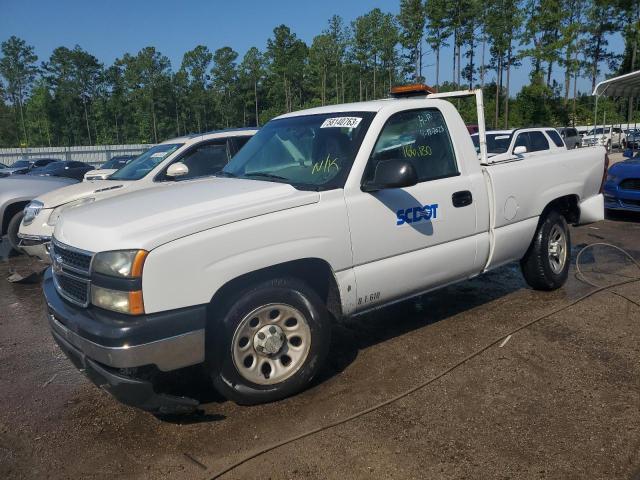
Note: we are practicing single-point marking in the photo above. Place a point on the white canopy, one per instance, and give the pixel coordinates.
(627, 85)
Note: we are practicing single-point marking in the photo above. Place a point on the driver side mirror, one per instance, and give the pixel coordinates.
(392, 174)
(519, 150)
(177, 170)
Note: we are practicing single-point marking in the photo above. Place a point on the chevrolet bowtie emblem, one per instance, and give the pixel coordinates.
(57, 264)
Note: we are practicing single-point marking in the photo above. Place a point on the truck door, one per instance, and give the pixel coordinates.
(408, 240)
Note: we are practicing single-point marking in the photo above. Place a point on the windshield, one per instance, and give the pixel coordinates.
(598, 131)
(313, 151)
(146, 162)
(21, 164)
(53, 166)
(116, 162)
(496, 142)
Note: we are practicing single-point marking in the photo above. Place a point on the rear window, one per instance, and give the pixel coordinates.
(538, 142)
(555, 137)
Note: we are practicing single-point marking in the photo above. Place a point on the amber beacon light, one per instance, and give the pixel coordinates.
(411, 90)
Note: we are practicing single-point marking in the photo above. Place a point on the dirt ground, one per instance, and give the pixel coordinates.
(559, 400)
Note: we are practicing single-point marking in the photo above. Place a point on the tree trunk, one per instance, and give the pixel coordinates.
(575, 92)
(177, 119)
(24, 125)
(86, 118)
(255, 95)
(153, 117)
(498, 83)
(567, 75)
(375, 68)
(438, 66)
(633, 66)
(484, 44)
(506, 97)
(419, 50)
(471, 66)
(596, 61)
(337, 89)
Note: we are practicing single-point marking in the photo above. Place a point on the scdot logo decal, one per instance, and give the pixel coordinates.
(417, 214)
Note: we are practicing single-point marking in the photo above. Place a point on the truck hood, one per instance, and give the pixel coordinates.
(149, 218)
(90, 188)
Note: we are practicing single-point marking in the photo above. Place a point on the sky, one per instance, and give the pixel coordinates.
(108, 29)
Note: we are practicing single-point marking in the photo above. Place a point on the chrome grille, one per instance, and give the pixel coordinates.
(71, 271)
(71, 258)
(74, 289)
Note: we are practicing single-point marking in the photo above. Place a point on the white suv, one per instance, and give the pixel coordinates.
(177, 159)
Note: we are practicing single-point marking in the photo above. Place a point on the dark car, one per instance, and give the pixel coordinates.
(69, 169)
(24, 166)
(622, 188)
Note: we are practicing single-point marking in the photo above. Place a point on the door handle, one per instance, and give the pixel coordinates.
(462, 199)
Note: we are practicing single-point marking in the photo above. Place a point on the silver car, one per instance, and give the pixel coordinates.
(16, 192)
(570, 136)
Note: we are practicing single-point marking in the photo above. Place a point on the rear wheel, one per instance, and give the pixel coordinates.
(271, 342)
(545, 266)
(12, 231)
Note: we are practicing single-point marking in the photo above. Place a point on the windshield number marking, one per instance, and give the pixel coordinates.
(341, 122)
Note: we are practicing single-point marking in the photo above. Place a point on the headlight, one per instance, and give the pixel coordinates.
(123, 302)
(55, 215)
(121, 263)
(31, 211)
(612, 178)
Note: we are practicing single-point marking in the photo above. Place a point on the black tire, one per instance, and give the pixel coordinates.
(609, 146)
(220, 357)
(12, 231)
(536, 264)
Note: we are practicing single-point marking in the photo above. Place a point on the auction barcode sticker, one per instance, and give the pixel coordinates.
(341, 122)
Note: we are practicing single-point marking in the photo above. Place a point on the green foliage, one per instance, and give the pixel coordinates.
(72, 99)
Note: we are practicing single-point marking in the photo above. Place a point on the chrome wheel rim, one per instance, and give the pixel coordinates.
(557, 249)
(271, 344)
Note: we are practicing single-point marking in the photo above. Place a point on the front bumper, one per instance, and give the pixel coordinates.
(35, 246)
(616, 198)
(100, 343)
(130, 391)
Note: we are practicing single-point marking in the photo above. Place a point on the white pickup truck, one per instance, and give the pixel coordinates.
(177, 159)
(325, 213)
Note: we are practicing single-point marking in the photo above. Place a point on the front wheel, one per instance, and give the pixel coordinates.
(12, 231)
(270, 343)
(545, 266)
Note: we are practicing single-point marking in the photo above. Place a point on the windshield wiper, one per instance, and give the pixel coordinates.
(266, 175)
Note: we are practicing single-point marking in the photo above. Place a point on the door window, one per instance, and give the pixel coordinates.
(553, 135)
(522, 140)
(205, 160)
(538, 142)
(422, 138)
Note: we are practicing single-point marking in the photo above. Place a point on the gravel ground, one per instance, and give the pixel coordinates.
(560, 399)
